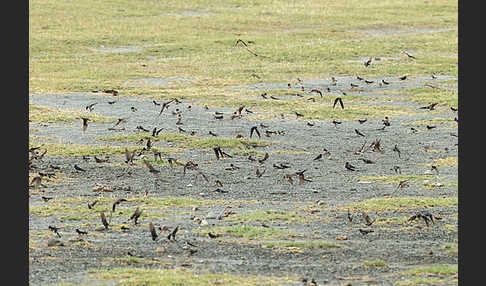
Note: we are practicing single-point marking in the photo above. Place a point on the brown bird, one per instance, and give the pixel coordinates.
(36, 182)
(302, 178)
(153, 232)
(117, 202)
(171, 235)
(112, 91)
(103, 219)
(258, 172)
(91, 205)
(340, 100)
(264, 158)
(85, 123)
(136, 215)
(129, 156)
(367, 219)
(150, 167)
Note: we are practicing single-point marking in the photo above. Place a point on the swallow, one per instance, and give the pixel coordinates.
(212, 134)
(80, 232)
(340, 100)
(246, 46)
(103, 219)
(453, 109)
(434, 168)
(361, 121)
(153, 232)
(85, 123)
(430, 126)
(395, 149)
(91, 205)
(302, 178)
(218, 116)
(79, 168)
(335, 122)
(232, 168)
(350, 167)
(55, 230)
(430, 107)
(264, 95)
(365, 231)
(408, 55)
(156, 132)
(211, 235)
(36, 182)
(318, 157)
(98, 160)
(386, 121)
(350, 217)
(119, 121)
(377, 146)
(397, 169)
(367, 219)
(140, 127)
(129, 156)
(316, 91)
(255, 76)
(112, 91)
(258, 172)
(90, 107)
(150, 167)
(281, 166)
(367, 161)
(218, 190)
(369, 81)
(218, 183)
(368, 62)
(173, 233)
(117, 202)
(165, 105)
(403, 77)
(359, 133)
(298, 114)
(218, 152)
(136, 215)
(254, 129)
(402, 184)
(384, 82)
(264, 158)
(273, 97)
(354, 85)
(155, 103)
(46, 199)
(111, 102)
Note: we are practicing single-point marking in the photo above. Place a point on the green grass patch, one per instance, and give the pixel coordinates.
(451, 248)
(403, 203)
(41, 114)
(302, 244)
(271, 216)
(251, 233)
(426, 95)
(375, 263)
(435, 270)
(139, 276)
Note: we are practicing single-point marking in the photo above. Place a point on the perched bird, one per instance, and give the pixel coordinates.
(361, 121)
(403, 77)
(153, 232)
(350, 167)
(117, 202)
(136, 215)
(133, 109)
(55, 230)
(365, 231)
(85, 123)
(79, 168)
(254, 129)
(359, 133)
(80, 232)
(340, 100)
(103, 219)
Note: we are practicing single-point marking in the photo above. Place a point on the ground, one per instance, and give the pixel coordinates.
(247, 229)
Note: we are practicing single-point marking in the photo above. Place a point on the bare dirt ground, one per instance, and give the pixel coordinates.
(320, 206)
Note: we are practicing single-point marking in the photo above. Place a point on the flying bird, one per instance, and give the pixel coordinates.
(359, 133)
(76, 167)
(317, 91)
(409, 55)
(367, 219)
(254, 129)
(340, 100)
(171, 235)
(103, 220)
(361, 121)
(117, 202)
(350, 167)
(90, 107)
(85, 123)
(153, 232)
(264, 158)
(246, 46)
(136, 215)
(368, 62)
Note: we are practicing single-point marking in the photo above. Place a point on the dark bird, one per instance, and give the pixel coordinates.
(430, 106)
(258, 172)
(335, 122)
(103, 219)
(218, 116)
(264, 95)
(218, 152)
(150, 167)
(408, 55)
(361, 121)
(369, 81)
(171, 235)
(91, 205)
(211, 235)
(117, 202)
(430, 126)
(368, 62)
(350, 167)
(90, 107)
(403, 77)
(55, 230)
(273, 97)
(246, 46)
(133, 109)
(359, 78)
(136, 215)
(98, 160)
(384, 82)
(156, 132)
(318, 157)
(254, 129)
(85, 123)
(79, 168)
(281, 166)
(264, 158)
(317, 91)
(365, 231)
(119, 121)
(453, 109)
(46, 199)
(395, 149)
(248, 111)
(111, 102)
(401, 185)
(129, 156)
(80, 232)
(155, 103)
(340, 100)
(165, 105)
(350, 217)
(140, 127)
(386, 121)
(302, 178)
(36, 182)
(153, 232)
(354, 85)
(359, 133)
(212, 134)
(112, 91)
(367, 219)
(434, 168)
(310, 124)
(298, 114)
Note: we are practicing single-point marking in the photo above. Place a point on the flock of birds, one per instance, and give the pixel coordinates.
(37, 155)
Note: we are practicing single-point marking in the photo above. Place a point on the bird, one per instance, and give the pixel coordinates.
(350, 217)
(264, 158)
(454, 109)
(211, 235)
(302, 178)
(46, 199)
(36, 182)
(136, 215)
(335, 122)
(212, 133)
(90, 107)
(361, 121)
(112, 91)
(368, 62)
(340, 100)
(103, 219)
(80, 232)
(350, 167)
(173, 233)
(430, 126)
(365, 231)
(318, 157)
(98, 160)
(395, 149)
(150, 167)
(367, 219)
(218, 152)
(55, 230)
(129, 156)
(117, 202)
(434, 168)
(258, 172)
(165, 105)
(369, 81)
(79, 168)
(254, 129)
(153, 232)
(386, 121)
(133, 109)
(403, 77)
(316, 91)
(354, 85)
(91, 205)
(155, 103)
(298, 114)
(85, 123)
(359, 133)
(397, 169)
(246, 46)
(430, 106)
(409, 55)
(367, 161)
(384, 82)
